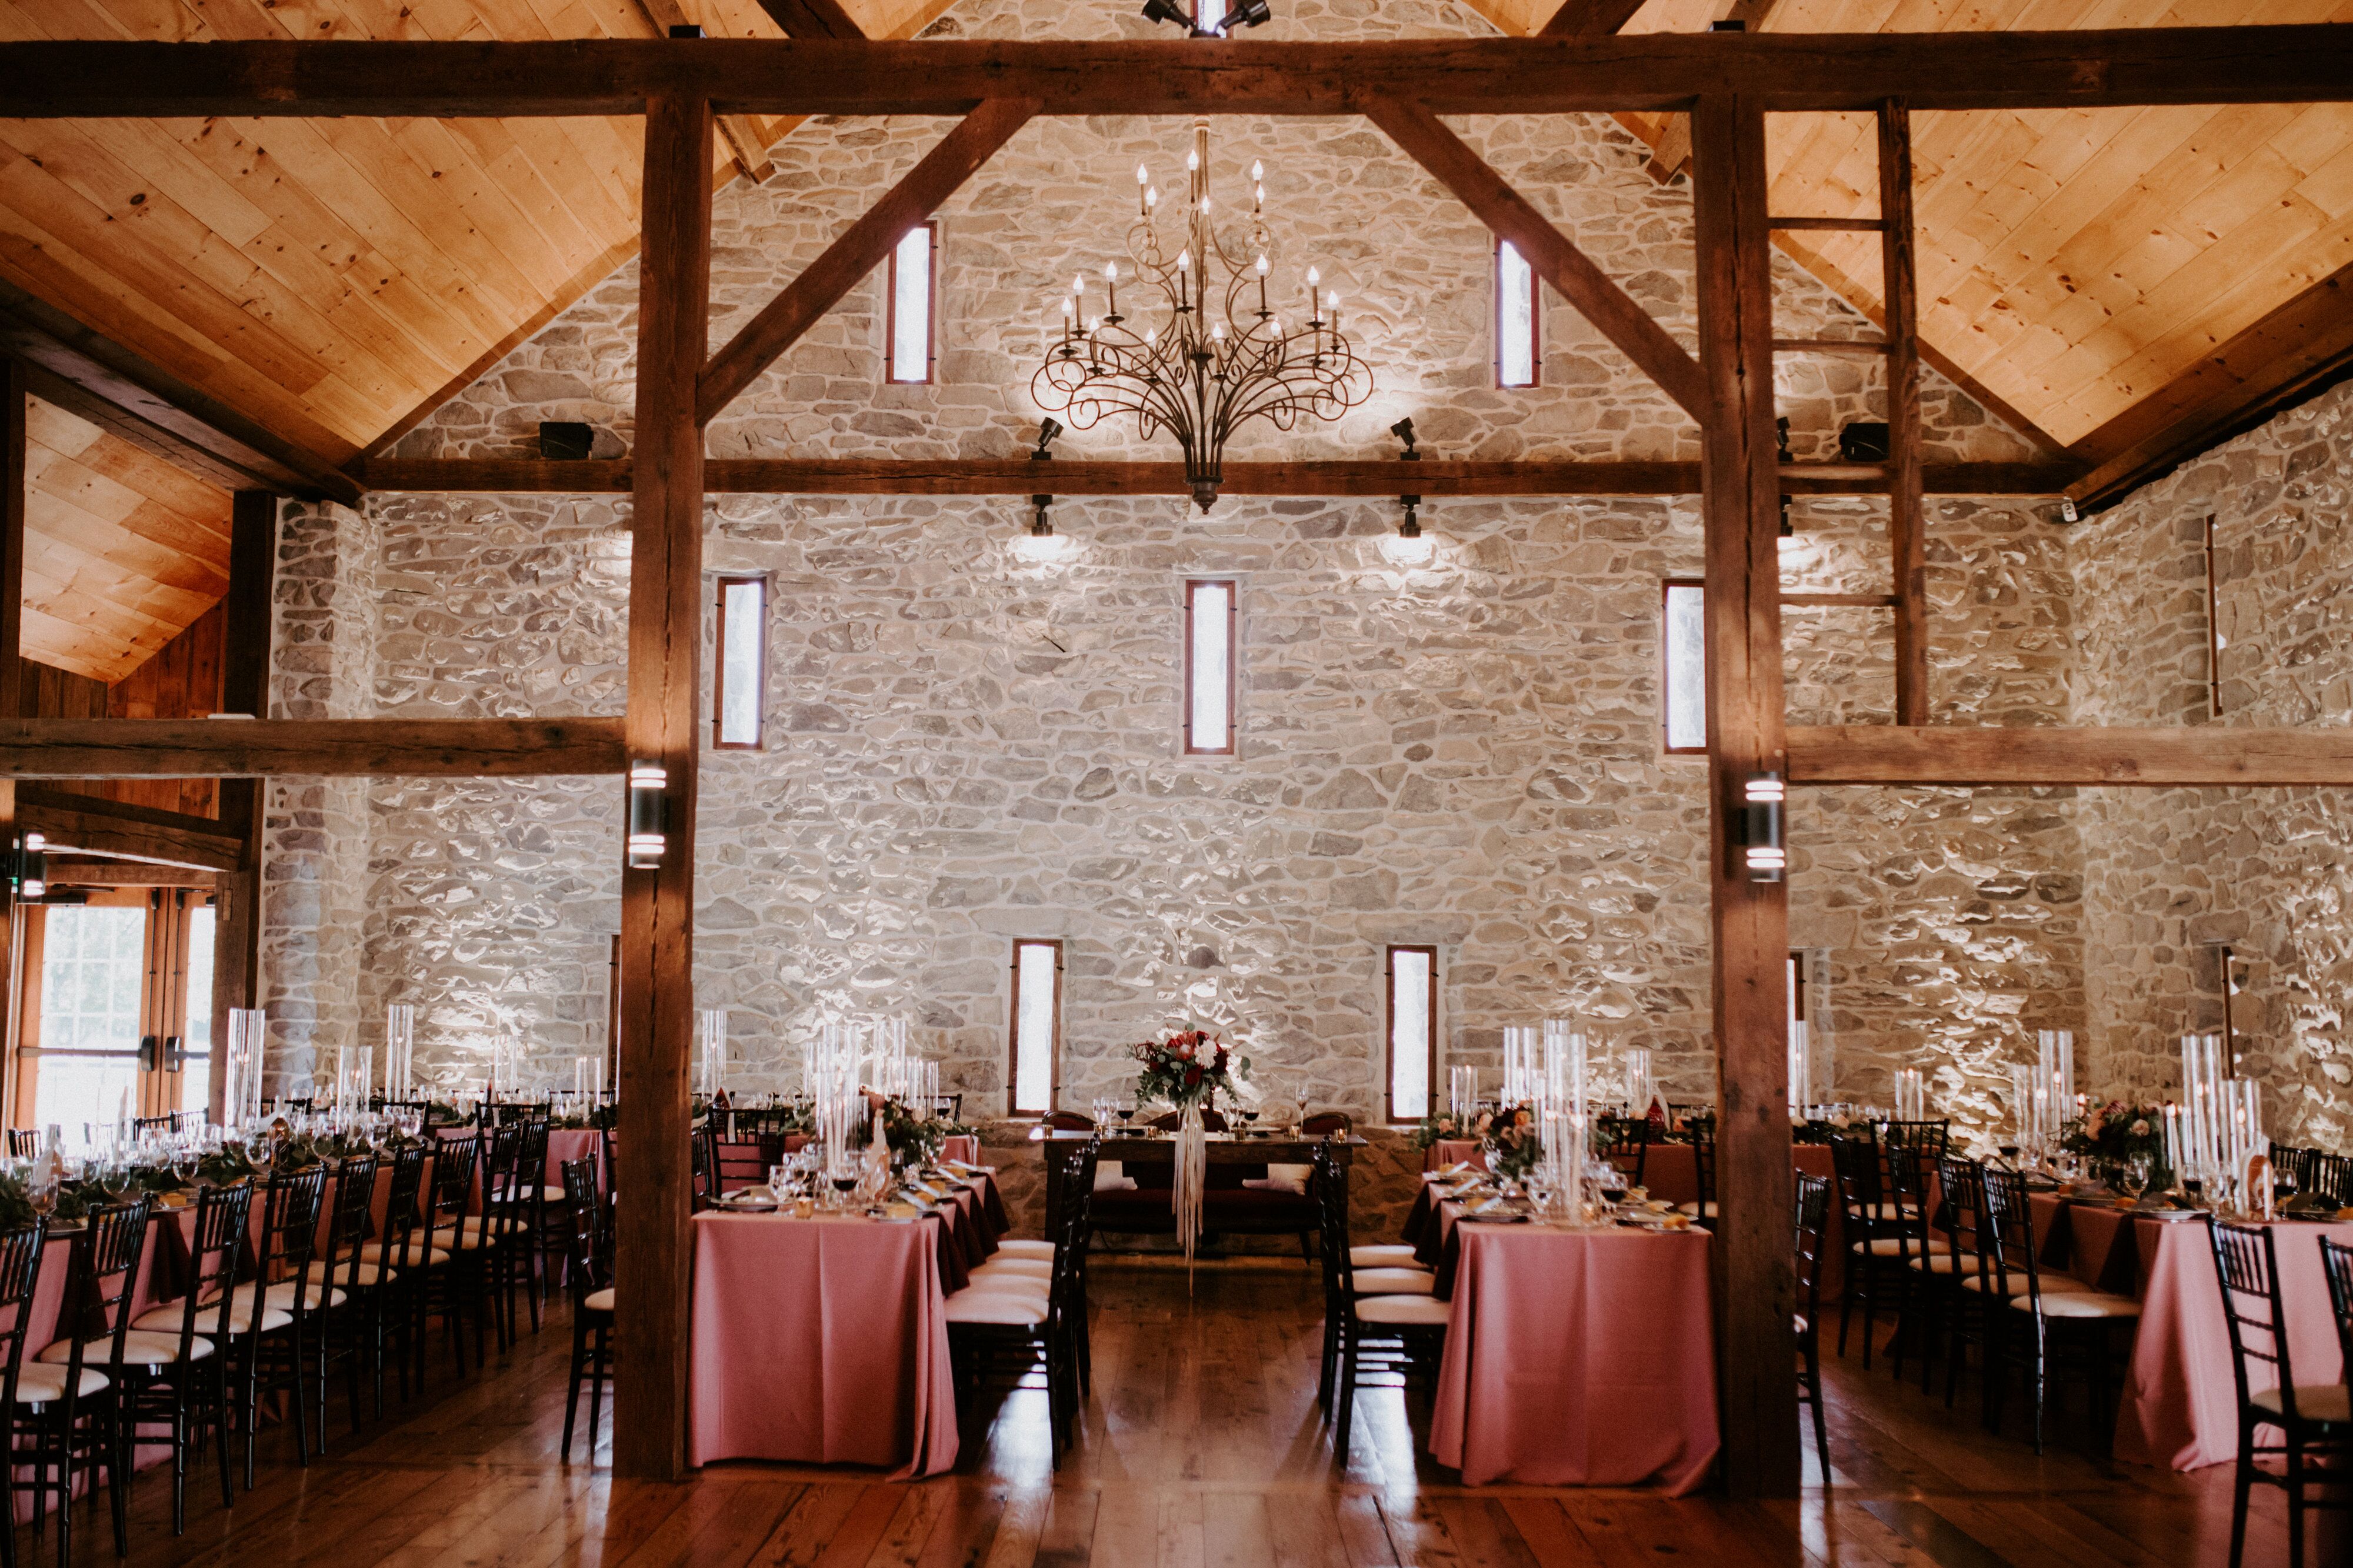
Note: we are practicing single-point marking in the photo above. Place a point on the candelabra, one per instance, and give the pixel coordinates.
(1219, 357)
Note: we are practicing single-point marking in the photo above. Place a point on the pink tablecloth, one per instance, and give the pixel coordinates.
(566, 1143)
(2180, 1402)
(964, 1146)
(820, 1342)
(1579, 1358)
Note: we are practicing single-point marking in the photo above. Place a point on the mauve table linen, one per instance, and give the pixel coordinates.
(820, 1342)
(1579, 1358)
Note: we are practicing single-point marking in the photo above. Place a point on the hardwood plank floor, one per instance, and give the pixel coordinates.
(1202, 1447)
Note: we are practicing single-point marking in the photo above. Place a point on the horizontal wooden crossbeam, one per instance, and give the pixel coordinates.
(263, 748)
(1775, 71)
(1018, 476)
(115, 831)
(2213, 754)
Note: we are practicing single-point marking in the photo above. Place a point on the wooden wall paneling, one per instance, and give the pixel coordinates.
(663, 725)
(244, 688)
(1906, 521)
(1741, 517)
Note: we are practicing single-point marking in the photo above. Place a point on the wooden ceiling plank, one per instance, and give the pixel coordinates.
(76, 649)
(74, 588)
(204, 505)
(180, 538)
(540, 192)
(83, 537)
(482, 203)
(109, 377)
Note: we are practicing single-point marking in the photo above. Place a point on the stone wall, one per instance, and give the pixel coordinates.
(965, 746)
(2171, 874)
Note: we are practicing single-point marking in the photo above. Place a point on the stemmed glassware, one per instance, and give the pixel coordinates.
(2133, 1178)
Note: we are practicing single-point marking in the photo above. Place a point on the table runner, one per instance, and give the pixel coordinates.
(820, 1342)
(1579, 1358)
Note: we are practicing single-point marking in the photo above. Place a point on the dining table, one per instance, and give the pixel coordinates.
(1574, 1357)
(820, 1340)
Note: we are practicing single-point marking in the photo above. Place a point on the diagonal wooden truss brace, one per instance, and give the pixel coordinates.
(821, 285)
(1572, 274)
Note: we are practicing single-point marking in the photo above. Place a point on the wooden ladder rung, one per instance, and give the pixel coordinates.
(1833, 601)
(1841, 225)
(1829, 346)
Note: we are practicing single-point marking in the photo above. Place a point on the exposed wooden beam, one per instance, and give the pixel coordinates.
(2210, 755)
(745, 143)
(49, 79)
(1906, 519)
(14, 472)
(666, 592)
(1553, 256)
(1018, 476)
(247, 625)
(859, 250)
(118, 831)
(120, 390)
(1589, 17)
(1749, 921)
(812, 18)
(2292, 353)
(307, 748)
(70, 872)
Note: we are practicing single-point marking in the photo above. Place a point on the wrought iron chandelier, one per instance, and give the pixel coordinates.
(1218, 356)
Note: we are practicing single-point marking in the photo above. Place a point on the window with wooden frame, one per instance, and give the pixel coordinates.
(1210, 612)
(1682, 666)
(911, 324)
(740, 673)
(1519, 328)
(104, 1027)
(1033, 1068)
(1412, 972)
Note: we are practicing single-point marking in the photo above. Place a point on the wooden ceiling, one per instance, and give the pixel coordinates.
(123, 550)
(2074, 263)
(2095, 273)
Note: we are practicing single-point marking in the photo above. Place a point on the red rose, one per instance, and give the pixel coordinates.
(1192, 1077)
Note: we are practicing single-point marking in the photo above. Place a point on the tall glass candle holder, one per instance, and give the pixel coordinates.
(399, 1051)
(1911, 1095)
(710, 1028)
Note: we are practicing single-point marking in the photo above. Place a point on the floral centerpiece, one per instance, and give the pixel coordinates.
(1509, 1136)
(1187, 1069)
(914, 1140)
(2109, 1136)
(1445, 1127)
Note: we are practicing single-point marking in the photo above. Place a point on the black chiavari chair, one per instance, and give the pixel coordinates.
(1813, 1227)
(990, 1324)
(1874, 1246)
(275, 1344)
(341, 1284)
(1395, 1333)
(24, 1143)
(400, 1255)
(588, 1273)
(1628, 1139)
(2029, 1312)
(2336, 1263)
(179, 1376)
(20, 1272)
(2314, 1421)
(80, 1426)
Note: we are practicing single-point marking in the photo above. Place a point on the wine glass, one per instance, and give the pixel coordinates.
(2283, 1185)
(44, 1194)
(843, 1186)
(2133, 1178)
(1126, 1118)
(780, 1182)
(1249, 1118)
(1540, 1191)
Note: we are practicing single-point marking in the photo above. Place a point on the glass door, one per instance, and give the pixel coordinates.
(108, 986)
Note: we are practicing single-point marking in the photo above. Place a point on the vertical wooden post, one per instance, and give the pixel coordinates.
(1905, 520)
(1740, 499)
(248, 613)
(12, 686)
(665, 699)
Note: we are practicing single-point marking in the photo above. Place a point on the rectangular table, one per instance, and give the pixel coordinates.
(820, 1342)
(1579, 1358)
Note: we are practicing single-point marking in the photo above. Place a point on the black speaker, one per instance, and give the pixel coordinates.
(1863, 441)
(565, 441)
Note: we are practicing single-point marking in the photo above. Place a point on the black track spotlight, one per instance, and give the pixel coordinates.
(1167, 11)
(1403, 431)
(1249, 13)
(1047, 428)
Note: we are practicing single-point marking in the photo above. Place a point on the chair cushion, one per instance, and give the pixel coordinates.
(1110, 1177)
(1697, 1211)
(416, 1253)
(315, 1296)
(1401, 1309)
(599, 1300)
(2082, 1304)
(1895, 1246)
(2053, 1284)
(340, 1275)
(1802, 1324)
(1027, 1284)
(37, 1383)
(2314, 1402)
(1383, 1254)
(1394, 1281)
(1943, 1263)
(1022, 1247)
(138, 1350)
(1010, 1309)
(1014, 1269)
(165, 1319)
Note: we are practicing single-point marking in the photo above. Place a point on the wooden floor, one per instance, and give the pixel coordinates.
(1202, 1447)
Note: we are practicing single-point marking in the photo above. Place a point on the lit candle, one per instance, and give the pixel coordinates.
(1313, 278)
(1258, 184)
(1142, 192)
(1110, 286)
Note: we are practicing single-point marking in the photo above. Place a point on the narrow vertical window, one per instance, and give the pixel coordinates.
(2213, 627)
(1037, 1046)
(908, 323)
(1413, 1031)
(1209, 668)
(1518, 359)
(741, 684)
(1683, 664)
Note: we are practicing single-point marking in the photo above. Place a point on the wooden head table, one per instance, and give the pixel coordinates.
(1150, 1159)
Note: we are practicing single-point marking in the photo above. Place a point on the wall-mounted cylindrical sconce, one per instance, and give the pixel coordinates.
(648, 815)
(31, 868)
(1764, 855)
